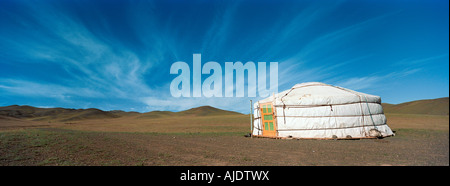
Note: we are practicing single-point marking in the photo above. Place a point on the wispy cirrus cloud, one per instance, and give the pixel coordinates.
(90, 62)
(404, 68)
(374, 81)
(419, 62)
(34, 89)
(120, 52)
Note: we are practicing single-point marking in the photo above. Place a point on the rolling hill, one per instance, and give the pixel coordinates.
(207, 111)
(438, 106)
(65, 114)
(54, 114)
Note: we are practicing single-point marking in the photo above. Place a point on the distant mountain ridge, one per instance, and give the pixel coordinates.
(207, 110)
(65, 114)
(439, 106)
(56, 114)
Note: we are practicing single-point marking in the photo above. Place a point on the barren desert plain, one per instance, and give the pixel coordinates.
(209, 136)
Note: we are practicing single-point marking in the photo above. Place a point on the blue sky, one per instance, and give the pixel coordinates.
(117, 54)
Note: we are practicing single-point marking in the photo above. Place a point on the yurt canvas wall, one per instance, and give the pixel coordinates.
(317, 110)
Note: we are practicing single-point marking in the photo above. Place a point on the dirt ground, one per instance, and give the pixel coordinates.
(64, 147)
(221, 144)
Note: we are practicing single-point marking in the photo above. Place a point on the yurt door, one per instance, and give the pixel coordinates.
(268, 119)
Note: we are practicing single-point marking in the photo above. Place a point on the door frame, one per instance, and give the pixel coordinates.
(271, 128)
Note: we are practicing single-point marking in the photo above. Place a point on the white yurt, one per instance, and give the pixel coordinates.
(320, 111)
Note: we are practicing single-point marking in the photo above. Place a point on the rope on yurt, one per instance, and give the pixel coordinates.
(360, 104)
(334, 116)
(284, 105)
(362, 115)
(370, 114)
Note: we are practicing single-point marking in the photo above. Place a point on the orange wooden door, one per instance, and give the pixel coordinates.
(268, 119)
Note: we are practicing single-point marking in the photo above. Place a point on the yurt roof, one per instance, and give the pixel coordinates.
(316, 93)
